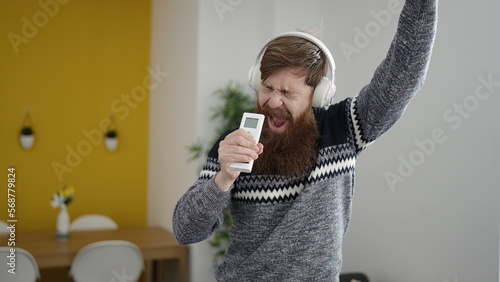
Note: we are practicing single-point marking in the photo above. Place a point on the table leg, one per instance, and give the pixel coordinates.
(183, 265)
(149, 270)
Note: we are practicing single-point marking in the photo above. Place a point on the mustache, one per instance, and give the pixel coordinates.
(276, 112)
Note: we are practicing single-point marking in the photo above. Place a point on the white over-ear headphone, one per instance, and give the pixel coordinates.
(324, 91)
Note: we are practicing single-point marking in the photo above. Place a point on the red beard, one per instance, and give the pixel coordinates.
(291, 153)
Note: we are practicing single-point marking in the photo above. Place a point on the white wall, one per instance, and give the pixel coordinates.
(172, 119)
(440, 223)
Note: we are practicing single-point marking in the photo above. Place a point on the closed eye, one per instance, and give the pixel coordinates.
(290, 94)
(267, 88)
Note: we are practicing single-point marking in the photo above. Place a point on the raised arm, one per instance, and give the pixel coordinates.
(400, 75)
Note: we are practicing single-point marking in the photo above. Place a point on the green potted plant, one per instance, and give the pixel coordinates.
(234, 102)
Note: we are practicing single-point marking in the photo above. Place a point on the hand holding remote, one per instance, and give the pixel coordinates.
(238, 151)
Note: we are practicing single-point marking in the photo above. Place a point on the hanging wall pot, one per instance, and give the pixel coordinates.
(27, 136)
(111, 138)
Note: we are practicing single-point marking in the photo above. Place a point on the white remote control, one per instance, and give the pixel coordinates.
(252, 123)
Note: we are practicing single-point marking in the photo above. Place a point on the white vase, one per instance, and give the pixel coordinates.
(62, 228)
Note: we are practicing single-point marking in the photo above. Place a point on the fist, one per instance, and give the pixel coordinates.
(238, 146)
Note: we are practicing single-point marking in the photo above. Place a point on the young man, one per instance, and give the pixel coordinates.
(291, 213)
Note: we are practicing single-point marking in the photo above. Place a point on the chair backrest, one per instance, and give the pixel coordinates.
(93, 222)
(353, 277)
(3, 227)
(20, 262)
(113, 260)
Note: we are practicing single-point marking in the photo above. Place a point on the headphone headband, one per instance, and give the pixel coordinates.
(324, 91)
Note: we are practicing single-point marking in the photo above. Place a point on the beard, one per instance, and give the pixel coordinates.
(291, 153)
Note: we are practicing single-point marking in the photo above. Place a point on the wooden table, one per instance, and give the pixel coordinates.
(156, 244)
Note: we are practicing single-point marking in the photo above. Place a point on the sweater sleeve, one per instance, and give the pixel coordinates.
(399, 76)
(199, 212)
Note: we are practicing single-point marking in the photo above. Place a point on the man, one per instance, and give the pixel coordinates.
(291, 213)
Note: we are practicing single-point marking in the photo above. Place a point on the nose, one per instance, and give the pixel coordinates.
(275, 100)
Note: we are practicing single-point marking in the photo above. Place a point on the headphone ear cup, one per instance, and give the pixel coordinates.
(323, 93)
(254, 77)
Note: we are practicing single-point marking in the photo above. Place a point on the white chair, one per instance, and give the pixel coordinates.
(3, 227)
(113, 260)
(26, 268)
(92, 222)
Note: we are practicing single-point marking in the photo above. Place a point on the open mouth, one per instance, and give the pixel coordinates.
(277, 124)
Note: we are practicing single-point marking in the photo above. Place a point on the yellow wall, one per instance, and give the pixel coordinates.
(72, 63)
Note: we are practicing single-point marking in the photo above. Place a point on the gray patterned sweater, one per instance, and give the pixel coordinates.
(292, 229)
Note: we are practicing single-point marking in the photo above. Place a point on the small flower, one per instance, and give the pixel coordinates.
(56, 201)
(69, 192)
(63, 197)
